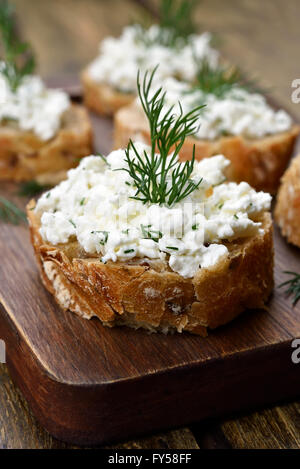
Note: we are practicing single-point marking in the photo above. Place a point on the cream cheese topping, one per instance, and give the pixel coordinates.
(94, 205)
(239, 112)
(34, 107)
(120, 58)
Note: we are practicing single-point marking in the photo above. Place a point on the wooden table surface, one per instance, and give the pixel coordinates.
(263, 39)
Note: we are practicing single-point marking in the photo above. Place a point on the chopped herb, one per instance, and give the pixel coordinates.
(220, 206)
(127, 183)
(293, 286)
(105, 236)
(195, 227)
(172, 247)
(127, 251)
(47, 195)
(10, 213)
(72, 223)
(125, 231)
(235, 216)
(155, 235)
(82, 201)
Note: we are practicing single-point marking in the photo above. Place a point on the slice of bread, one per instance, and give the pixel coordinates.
(145, 293)
(259, 162)
(287, 209)
(24, 156)
(103, 98)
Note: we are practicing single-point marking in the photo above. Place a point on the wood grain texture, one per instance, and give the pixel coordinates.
(19, 429)
(272, 31)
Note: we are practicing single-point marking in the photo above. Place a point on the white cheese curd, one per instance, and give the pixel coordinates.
(95, 206)
(239, 112)
(34, 107)
(120, 58)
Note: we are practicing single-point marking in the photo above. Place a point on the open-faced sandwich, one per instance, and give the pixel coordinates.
(287, 210)
(109, 82)
(42, 134)
(235, 122)
(142, 240)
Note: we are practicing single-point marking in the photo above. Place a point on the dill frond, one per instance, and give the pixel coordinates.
(18, 60)
(10, 213)
(158, 176)
(293, 286)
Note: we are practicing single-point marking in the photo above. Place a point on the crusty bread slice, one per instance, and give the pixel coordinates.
(147, 294)
(24, 156)
(103, 98)
(287, 209)
(259, 162)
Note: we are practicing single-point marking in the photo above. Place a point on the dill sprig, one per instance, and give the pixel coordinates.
(31, 188)
(175, 24)
(150, 173)
(177, 17)
(216, 80)
(293, 286)
(9, 212)
(18, 60)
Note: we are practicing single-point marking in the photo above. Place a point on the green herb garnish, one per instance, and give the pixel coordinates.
(72, 223)
(9, 212)
(216, 80)
(195, 227)
(105, 236)
(82, 201)
(150, 172)
(177, 17)
(127, 251)
(293, 286)
(31, 188)
(155, 235)
(18, 60)
(220, 80)
(176, 24)
(102, 157)
(172, 247)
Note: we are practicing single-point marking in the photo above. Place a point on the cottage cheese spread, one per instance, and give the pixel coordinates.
(34, 107)
(239, 112)
(94, 206)
(121, 58)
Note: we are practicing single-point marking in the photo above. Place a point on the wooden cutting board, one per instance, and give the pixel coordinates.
(88, 384)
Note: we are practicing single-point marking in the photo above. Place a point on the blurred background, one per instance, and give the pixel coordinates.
(262, 37)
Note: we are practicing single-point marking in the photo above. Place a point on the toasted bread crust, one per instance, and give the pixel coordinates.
(287, 209)
(23, 156)
(103, 98)
(147, 294)
(260, 162)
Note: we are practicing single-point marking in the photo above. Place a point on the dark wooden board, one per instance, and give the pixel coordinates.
(88, 384)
